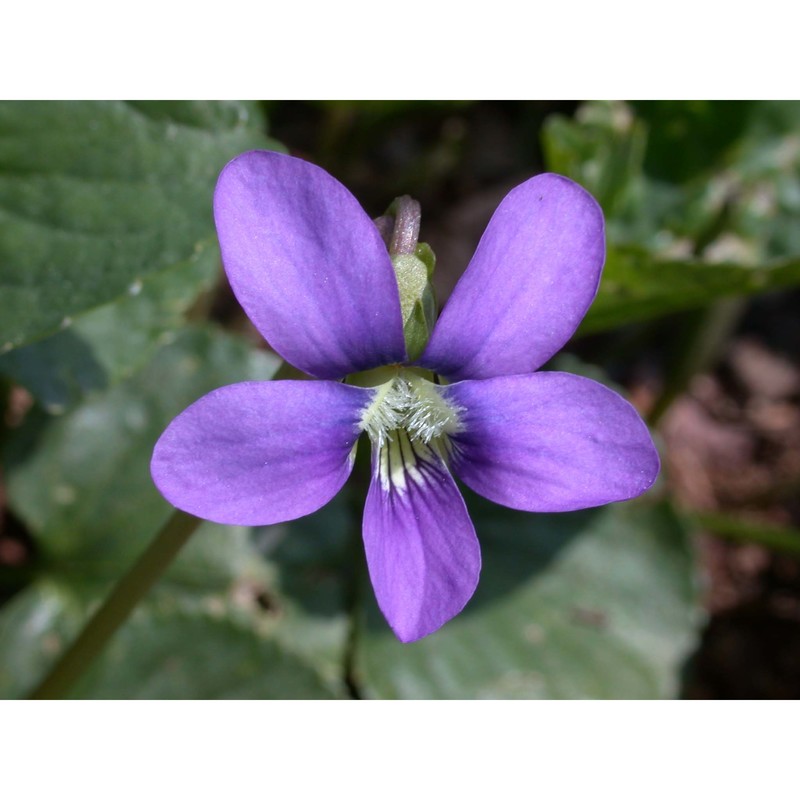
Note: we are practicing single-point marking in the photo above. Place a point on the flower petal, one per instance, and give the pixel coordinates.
(550, 442)
(307, 265)
(528, 286)
(422, 552)
(259, 453)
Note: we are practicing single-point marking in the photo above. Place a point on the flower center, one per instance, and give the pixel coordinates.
(409, 424)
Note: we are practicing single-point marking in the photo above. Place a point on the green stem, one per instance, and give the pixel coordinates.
(353, 602)
(774, 537)
(117, 607)
(697, 348)
(356, 576)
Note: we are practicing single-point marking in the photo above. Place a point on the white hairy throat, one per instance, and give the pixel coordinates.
(409, 424)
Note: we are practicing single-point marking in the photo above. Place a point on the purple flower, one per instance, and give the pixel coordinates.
(314, 275)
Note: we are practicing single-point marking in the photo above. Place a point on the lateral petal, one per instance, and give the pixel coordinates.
(550, 442)
(528, 286)
(422, 552)
(307, 265)
(260, 453)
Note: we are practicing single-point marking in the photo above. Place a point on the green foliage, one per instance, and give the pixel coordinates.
(165, 651)
(636, 288)
(111, 342)
(95, 197)
(700, 200)
(82, 482)
(185, 656)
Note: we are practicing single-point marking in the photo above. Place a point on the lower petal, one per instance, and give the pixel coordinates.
(550, 442)
(260, 453)
(422, 552)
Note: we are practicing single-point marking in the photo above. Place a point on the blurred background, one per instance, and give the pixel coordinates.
(115, 315)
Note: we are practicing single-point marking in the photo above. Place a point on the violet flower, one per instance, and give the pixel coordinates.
(314, 275)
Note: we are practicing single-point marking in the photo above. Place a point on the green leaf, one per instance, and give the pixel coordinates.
(182, 655)
(96, 196)
(34, 628)
(715, 181)
(603, 150)
(700, 201)
(164, 651)
(595, 604)
(110, 343)
(687, 137)
(636, 287)
(764, 181)
(81, 482)
(315, 562)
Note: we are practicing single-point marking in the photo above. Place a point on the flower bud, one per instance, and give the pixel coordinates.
(413, 263)
(416, 302)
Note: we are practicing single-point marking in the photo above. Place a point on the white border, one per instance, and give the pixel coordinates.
(399, 49)
(392, 750)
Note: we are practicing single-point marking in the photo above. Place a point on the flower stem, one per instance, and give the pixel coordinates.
(356, 577)
(773, 537)
(117, 607)
(698, 347)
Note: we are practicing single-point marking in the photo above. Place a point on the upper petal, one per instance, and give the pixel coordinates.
(307, 265)
(550, 442)
(422, 553)
(528, 286)
(260, 453)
